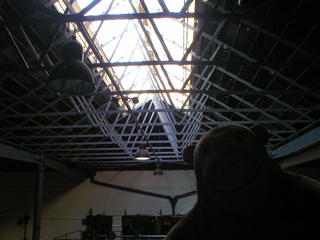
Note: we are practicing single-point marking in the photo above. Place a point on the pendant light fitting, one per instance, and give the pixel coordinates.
(142, 154)
(71, 75)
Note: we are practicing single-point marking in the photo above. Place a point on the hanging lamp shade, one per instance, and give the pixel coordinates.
(158, 170)
(71, 75)
(142, 154)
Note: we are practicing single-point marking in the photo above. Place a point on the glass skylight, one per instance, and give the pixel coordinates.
(138, 41)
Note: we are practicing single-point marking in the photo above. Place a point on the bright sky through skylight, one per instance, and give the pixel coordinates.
(125, 41)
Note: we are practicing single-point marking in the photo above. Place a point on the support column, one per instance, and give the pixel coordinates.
(38, 199)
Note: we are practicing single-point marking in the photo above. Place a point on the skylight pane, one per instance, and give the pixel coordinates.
(127, 41)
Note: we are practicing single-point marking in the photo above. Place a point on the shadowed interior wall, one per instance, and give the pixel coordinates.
(67, 199)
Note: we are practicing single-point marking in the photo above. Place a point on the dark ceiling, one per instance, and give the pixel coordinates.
(251, 64)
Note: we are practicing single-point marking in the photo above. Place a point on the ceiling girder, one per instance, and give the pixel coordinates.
(93, 112)
(302, 142)
(9, 152)
(85, 132)
(76, 17)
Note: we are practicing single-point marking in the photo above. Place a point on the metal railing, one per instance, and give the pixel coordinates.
(71, 234)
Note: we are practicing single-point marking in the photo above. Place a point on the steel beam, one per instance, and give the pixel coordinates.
(303, 142)
(76, 17)
(19, 154)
